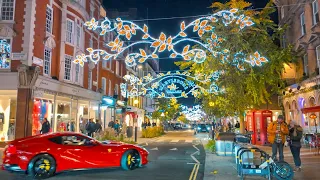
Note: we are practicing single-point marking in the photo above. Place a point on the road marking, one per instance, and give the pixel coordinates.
(194, 163)
(194, 173)
(175, 140)
(173, 149)
(154, 149)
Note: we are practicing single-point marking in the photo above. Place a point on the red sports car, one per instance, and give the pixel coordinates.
(42, 156)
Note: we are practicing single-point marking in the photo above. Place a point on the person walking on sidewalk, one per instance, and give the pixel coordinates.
(277, 131)
(295, 136)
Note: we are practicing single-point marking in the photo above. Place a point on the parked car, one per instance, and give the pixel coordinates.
(177, 126)
(42, 156)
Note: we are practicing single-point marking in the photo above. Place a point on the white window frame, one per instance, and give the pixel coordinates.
(71, 33)
(302, 24)
(10, 39)
(14, 7)
(45, 61)
(282, 12)
(67, 57)
(90, 80)
(104, 85)
(78, 35)
(305, 64)
(318, 56)
(315, 12)
(50, 24)
(77, 73)
(117, 68)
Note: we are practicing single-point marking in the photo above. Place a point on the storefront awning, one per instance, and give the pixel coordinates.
(310, 109)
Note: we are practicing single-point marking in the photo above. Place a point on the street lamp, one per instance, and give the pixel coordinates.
(135, 102)
(162, 115)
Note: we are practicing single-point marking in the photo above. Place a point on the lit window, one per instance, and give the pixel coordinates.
(7, 9)
(104, 85)
(67, 67)
(315, 12)
(47, 61)
(78, 31)
(69, 31)
(305, 64)
(5, 53)
(49, 19)
(302, 24)
(77, 79)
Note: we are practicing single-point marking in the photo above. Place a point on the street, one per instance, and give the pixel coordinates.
(170, 158)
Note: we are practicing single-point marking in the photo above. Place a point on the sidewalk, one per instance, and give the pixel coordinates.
(224, 168)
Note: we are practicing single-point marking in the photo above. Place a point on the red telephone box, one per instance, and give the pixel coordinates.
(261, 120)
(251, 125)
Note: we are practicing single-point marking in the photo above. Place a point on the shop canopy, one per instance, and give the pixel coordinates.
(310, 109)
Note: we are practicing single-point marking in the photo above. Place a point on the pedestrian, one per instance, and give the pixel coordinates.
(90, 127)
(45, 126)
(295, 136)
(277, 131)
(117, 126)
(237, 125)
(111, 124)
(98, 126)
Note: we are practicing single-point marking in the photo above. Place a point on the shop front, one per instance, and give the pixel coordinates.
(107, 107)
(8, 106)
(66, 107)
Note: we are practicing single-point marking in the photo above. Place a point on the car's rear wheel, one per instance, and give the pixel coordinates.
(42, 166)
(130, 160)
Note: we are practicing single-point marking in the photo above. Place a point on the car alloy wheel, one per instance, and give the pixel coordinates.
(130, 160)
(42, 166)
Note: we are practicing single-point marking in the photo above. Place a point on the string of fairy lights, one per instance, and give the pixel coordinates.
(176, 84)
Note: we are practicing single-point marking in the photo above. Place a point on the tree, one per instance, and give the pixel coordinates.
(169, 107)
(254, 86)
(182, 118)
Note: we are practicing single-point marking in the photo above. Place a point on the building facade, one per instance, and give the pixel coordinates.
(39, 40)
(301, 98)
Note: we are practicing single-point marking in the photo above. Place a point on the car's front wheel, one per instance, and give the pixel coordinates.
(42, 166)
(130, 160)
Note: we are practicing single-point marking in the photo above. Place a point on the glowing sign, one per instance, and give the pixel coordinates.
(5, 51)
(170, 85)
(202, 26)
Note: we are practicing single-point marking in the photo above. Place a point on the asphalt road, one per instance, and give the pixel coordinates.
(170, 159)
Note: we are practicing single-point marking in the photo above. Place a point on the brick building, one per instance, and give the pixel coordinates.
(302, 96)
(39, 40)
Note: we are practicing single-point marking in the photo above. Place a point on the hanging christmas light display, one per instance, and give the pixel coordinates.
(5, 51)
(125, 30)
(170, 85)
(193, 113)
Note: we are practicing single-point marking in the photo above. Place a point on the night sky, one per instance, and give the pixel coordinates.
(151, 9)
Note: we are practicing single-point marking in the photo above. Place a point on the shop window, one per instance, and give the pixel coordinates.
(7, 10)
(49, 19)
(42, 108)
(5, 53)
(8, 106)
(63, 116)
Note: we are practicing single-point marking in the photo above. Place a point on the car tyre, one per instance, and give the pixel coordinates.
(130, 160)
(41, 167)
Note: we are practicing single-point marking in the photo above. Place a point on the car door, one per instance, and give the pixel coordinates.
(82, 153)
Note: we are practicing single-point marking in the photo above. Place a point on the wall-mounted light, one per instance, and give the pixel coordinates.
(136, 101)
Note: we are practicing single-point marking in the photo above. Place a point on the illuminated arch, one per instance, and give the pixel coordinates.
(201, 26)
(170, 85)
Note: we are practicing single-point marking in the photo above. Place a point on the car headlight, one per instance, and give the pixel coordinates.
(199, 128)
(208, 128)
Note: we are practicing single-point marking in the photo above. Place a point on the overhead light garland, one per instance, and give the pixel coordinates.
(5, 50)
(170, 85)
(127, 29)
(193, 113)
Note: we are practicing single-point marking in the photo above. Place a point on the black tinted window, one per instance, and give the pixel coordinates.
(57, 140)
